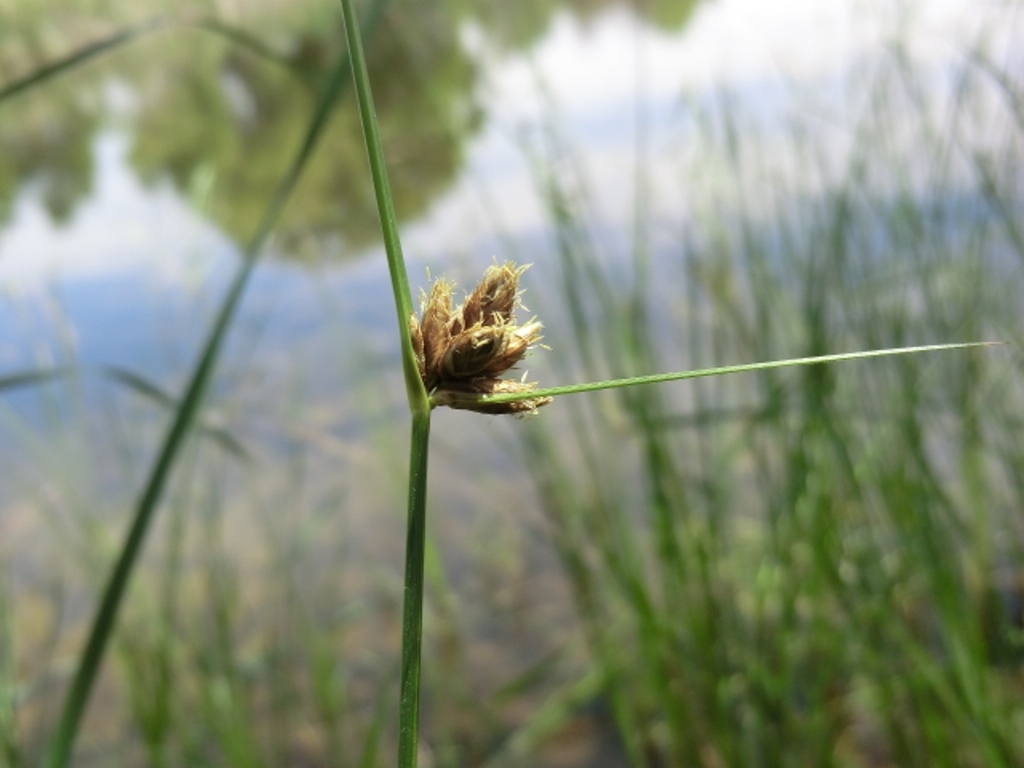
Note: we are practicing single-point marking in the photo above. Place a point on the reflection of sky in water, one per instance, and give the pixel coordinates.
(123, 228)
(138, 267)
(602, 79)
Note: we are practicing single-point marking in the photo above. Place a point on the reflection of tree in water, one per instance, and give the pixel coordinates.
(206, 106)
(242, 118)
(516, 26)
(48, 148)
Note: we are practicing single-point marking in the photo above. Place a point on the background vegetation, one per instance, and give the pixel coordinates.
(817, 567)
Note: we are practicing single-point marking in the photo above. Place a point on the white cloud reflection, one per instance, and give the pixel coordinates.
(122, 227)
(599, 76)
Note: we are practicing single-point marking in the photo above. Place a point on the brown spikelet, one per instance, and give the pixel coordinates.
(417, 345)
(436, 329)
(494, 300)
(462, 353)
(472, 353)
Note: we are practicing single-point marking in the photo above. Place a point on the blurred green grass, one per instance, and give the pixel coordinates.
(814, 567)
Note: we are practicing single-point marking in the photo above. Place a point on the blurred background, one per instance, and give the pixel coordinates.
(811, 567)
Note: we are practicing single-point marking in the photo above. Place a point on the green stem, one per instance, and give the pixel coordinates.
(461, 399)
(419, 407)
(80, 56)
(113, 593)
(412, 608)
(60, 747)
(417, 395)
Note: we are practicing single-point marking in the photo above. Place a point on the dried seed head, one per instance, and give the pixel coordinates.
(463, 352)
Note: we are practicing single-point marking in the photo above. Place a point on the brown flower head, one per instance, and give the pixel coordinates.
(463, 352)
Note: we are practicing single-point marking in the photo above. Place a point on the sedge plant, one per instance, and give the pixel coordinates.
(458, 356)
